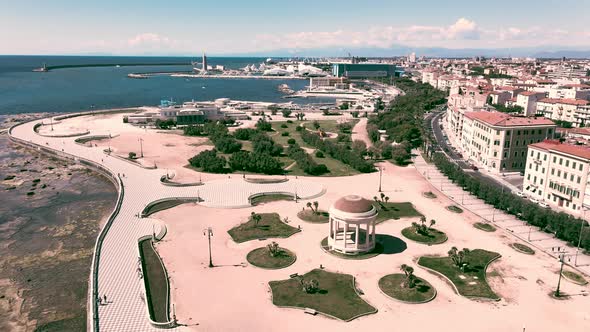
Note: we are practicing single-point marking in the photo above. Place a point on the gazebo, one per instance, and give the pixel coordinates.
(352, 225)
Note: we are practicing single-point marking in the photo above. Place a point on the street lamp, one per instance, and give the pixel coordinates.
(580, 238)
(141, 146)
(561, 260)
(208, 232)
(380, 176)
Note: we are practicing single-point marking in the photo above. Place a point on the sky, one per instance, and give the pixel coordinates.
(224, 27)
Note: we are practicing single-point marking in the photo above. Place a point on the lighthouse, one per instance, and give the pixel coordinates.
(204, 62)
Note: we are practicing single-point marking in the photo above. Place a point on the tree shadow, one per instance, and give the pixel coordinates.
(472, 268)
(391, 244)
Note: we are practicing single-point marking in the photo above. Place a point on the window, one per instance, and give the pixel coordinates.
(536, 168)
(572, 177)
(545, 156)
(565, 175)
(518, 132)
(558, 172)
(495, 153)
(541, 181)
(581, 166)
(528, 177)
(567, 163)
(579, 179)
(552, 171)
(574, 165)
(543, 171)
(554, 159)
(540, 192)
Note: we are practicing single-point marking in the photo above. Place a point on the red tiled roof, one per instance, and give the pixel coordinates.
(585, 86)
(566, 101)
(530, 93)
(505, 120)
(581, 151)
(507, 88)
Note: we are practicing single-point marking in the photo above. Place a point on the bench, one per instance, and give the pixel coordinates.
(294, 275)
(310, 311)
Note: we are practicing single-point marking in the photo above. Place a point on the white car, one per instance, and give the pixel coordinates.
(520, 194)
(534, 200)
(543, 205)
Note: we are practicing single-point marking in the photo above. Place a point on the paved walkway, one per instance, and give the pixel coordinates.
(117, 273)
(359, 131)
(518, 228)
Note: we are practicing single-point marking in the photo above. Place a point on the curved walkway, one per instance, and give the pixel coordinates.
(118, 259)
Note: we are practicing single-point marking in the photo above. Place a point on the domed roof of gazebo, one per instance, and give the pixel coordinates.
(353, 204)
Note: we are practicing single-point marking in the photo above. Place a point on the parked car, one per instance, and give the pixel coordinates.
(543, 205)
(534, 200)
(475, 168)
(520, 194)
(459, 155)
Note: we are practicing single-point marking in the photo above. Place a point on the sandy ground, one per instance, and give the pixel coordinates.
(231, 297)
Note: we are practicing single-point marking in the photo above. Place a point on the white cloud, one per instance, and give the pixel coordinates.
(149, 39)
(462, 33)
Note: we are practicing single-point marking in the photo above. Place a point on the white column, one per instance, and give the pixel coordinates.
(345, 234)
(356, 236)
(373, 224)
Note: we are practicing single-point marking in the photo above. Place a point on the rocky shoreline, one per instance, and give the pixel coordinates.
(50, 217)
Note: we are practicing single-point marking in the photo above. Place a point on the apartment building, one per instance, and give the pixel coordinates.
(528, 101)
(498, 141)
(564, 109)
(557, 174)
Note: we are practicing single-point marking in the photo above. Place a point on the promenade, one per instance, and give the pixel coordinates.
(543, 241)
(117, 275)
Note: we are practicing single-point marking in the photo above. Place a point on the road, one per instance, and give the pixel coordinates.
(453, 155)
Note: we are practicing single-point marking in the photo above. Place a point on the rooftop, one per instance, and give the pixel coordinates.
(505, 120)
(566, 101)
(353, 204)
(581, 151)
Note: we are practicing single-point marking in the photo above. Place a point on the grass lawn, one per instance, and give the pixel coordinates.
(379, 248)
(337, 168)
(574, 277)
(271, 198)
(433, 236)
(454, 208)
(484, 227)
(262, 258)
(472, 281)
(336, 296)
(156, 282)
(522, 248)
(321, 217)
(393, 285)
(270, 226)
(395, 211)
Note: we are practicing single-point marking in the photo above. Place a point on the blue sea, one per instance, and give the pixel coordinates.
(77, 89)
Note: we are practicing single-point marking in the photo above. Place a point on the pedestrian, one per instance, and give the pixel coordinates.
(99, 300)
(105, 299)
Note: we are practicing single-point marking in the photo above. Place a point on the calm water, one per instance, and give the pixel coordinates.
(75, 89)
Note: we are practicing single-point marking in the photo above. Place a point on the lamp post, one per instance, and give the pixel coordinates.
(561, 260)
(141, 146)
(208, 232)
(580, 238)
(51, 121)
(380, 177)
(110, 142)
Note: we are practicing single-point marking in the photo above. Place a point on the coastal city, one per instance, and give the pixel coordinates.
(375, 176)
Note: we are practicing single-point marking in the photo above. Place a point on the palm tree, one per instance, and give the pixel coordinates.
(453, 255)
(256, 218)
(273, 249)
(432, 222)
(409, 272)
(386, 199)
(316, 205)
(375, 198)
(309, 205)
(382, 196)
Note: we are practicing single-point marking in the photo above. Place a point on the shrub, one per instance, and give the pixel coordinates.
(284, 125)
(286, 113)
(245, 134)
(261, 143)
(209, 162)
(305, 161)
(285, 133)
(319, 154)
(299, 128)
(339, 152)
(132, 155)
(289, 121)
(255, 162)
(291, 141)
(263, 125)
